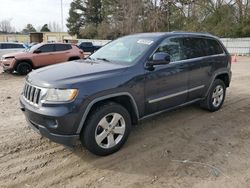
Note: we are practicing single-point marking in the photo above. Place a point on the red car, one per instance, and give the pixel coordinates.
(40, 55)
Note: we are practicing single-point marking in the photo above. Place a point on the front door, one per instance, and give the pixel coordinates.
(45, 55)
(166, 86)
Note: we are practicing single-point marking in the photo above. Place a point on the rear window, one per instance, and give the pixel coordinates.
(63, 47)
(213, 47)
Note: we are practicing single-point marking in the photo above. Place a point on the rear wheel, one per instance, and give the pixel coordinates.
(107, 129)
(24, 68)
(216, 96)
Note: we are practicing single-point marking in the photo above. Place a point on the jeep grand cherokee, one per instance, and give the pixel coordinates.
(132, 78)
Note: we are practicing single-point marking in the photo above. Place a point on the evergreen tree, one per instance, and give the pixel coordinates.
(93, 12)
(76, 17)
(45, 28)
(28, 29)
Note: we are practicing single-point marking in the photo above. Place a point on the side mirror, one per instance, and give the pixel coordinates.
(159, 58)
(37, 51)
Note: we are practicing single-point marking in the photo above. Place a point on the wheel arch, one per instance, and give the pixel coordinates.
(120, 98)
(224, 76)
(23, 60)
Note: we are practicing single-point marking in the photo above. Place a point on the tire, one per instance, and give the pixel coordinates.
(215, 97)
(23, 68)
(100, 136)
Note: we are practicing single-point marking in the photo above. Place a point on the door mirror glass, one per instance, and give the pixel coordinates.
(160, 58)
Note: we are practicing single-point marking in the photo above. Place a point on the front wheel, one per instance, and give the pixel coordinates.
(107, 129)
(216, 96)
(24, 68)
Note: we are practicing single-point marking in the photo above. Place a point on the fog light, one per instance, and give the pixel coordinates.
(52, 123)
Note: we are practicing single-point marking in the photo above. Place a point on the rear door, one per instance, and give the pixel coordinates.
(166, 85)
(201, 59)
(194, 49)
(45, 57)
(62, 52)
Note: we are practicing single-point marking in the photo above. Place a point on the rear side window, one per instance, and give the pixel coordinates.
(18, 46)
(63, 47)
(213, 47)
(47, 48)
(193, 47)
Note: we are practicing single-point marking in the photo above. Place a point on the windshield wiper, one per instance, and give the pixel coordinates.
(90, 58)
(103, 59)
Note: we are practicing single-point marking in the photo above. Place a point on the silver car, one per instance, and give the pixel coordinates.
(9, 47)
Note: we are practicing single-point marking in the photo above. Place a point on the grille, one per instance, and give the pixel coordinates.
(32, 94)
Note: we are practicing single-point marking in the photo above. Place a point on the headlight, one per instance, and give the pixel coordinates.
(61, 95)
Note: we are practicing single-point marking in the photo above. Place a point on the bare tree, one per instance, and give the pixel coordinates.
(5, 26)
(54, 27)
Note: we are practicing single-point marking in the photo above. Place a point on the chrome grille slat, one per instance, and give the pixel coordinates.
(35, 95)
(32, 94)
(28, 91)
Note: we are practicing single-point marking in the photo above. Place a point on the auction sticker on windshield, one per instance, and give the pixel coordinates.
(145, 41)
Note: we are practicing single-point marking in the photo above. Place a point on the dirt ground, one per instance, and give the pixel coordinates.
(188, 147)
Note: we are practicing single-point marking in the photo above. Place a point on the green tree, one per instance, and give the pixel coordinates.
(45, 28)
(28, 29)
(76, 17)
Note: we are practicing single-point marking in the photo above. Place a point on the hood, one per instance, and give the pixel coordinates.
(15, 54)
(73, 72)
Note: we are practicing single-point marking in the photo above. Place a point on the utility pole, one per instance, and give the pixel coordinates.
(62, 15)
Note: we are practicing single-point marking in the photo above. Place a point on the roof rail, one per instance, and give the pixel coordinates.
(191, 32)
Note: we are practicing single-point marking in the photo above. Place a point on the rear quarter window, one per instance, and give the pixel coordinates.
(213, 47)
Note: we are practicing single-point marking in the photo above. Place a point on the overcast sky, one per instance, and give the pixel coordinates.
(36, 12)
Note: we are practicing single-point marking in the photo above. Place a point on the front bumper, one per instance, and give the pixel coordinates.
(57, 126)
(7, 64)
(67, 140)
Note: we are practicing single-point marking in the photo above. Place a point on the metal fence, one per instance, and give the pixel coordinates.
(238, 46)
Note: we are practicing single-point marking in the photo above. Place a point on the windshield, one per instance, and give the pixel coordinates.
(124, 50)
(32, 48)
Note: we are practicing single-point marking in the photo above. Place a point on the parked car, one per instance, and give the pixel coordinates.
(88, 47)
(40, 55)
(130, 79)
(8, 47)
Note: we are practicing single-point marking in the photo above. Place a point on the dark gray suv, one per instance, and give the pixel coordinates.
(132, 78)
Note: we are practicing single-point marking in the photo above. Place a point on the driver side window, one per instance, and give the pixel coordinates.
(47, 48)
(172, 46)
